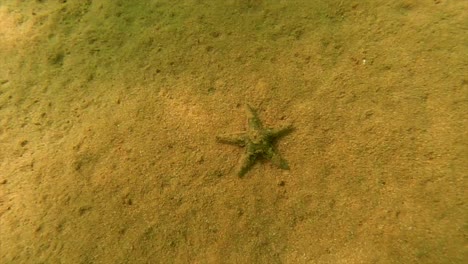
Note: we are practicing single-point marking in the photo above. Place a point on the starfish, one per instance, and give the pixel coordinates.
(258, 142)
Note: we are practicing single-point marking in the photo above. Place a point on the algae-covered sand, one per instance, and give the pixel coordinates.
(109, 111)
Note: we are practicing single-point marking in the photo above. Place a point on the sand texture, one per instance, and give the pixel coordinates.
(109, 112)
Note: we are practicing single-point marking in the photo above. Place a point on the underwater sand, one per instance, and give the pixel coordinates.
(109, 111)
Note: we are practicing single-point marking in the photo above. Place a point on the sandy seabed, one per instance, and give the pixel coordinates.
(109, 111)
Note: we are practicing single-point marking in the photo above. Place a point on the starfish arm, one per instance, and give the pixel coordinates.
(254, 121)
(276, 159)
(280, 132)
(232, 139)
(246, 163)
